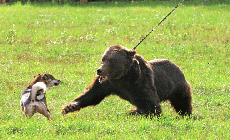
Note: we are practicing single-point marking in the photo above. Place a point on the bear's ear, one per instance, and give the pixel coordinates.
(131, 52)
(136, 65)
(137, 70)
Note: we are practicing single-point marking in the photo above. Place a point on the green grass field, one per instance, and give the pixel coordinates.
(68, 41)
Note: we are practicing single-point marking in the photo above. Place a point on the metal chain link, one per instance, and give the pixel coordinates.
(156, 26)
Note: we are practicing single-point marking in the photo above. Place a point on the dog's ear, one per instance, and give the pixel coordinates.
(45, 76)
(36, 75)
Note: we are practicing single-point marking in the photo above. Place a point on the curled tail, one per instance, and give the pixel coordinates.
(39, 86)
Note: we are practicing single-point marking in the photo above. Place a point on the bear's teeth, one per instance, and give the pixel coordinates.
(102, 79)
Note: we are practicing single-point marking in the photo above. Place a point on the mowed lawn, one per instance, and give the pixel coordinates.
(68, 41)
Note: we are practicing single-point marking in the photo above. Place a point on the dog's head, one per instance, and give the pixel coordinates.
(115, 63)
(48, 79)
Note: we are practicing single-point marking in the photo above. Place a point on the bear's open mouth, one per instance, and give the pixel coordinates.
(102, 79)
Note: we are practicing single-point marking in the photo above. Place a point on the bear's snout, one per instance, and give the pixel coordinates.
(99, 71)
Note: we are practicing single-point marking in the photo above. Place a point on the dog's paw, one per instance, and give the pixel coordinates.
(73, 107)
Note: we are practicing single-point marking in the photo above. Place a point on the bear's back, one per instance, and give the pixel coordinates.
(167, 76)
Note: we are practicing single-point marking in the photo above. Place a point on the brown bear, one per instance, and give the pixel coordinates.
(143, 83)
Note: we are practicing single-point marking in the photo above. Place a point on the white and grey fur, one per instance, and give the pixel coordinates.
(33, 98)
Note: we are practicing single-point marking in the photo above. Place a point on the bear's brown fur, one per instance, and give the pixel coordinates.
(144, 84)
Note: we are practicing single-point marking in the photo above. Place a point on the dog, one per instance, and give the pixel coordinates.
(33, 98)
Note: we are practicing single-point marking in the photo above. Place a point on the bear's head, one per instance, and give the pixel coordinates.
(115, 63)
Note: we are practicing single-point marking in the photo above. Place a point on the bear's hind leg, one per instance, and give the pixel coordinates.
(181, 100)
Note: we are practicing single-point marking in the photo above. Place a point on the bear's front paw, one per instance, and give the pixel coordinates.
(73, 107)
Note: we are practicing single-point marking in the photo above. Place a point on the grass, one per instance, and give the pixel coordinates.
(67, 41)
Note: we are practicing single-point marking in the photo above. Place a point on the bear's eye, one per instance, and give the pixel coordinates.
(103, 60)
(112, 60)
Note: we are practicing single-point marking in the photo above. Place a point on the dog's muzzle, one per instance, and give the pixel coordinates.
(57, 83)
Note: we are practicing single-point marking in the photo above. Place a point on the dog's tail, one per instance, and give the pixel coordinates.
(39, 86)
